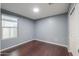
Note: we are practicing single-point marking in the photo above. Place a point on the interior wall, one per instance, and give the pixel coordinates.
(53, 29)
(0, 30)
(26, 29)
(25, 33)
(74, 30)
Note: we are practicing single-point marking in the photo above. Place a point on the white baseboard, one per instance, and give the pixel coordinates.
(52, 43)
(15, 45)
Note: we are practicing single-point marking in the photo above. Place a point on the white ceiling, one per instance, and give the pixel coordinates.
(26, 9)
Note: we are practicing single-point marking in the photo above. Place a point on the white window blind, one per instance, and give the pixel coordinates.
(9, 26)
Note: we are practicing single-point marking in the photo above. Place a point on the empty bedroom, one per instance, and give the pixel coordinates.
(39, 29)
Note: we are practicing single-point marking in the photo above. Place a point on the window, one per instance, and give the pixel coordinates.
(9, 26)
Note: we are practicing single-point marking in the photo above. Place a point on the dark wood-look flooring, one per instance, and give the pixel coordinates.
(36, 48)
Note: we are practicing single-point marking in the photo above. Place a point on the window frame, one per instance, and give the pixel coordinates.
(10, 26)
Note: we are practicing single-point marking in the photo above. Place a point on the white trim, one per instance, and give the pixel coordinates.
(14, 45)
(52, 43)
(71, 52)
(72, 8)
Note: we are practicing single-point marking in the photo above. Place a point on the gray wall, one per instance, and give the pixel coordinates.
(0, 30)
(25, 33)
(53, 29)
(26, 29)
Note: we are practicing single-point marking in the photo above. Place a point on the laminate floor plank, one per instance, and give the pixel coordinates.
(37, 48)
